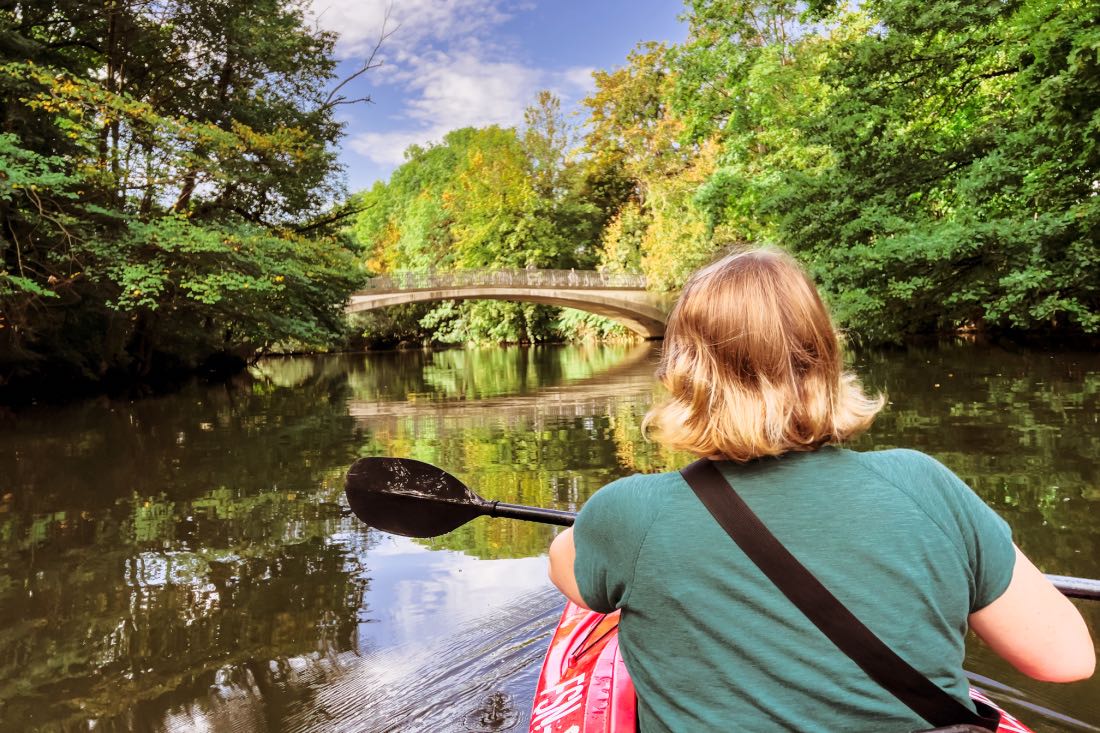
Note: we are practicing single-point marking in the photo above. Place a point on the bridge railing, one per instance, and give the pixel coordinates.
(508, 278)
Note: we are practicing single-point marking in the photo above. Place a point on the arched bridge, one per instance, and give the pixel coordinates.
(620, 297)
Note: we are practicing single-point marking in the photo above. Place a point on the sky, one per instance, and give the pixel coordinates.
(458, 63)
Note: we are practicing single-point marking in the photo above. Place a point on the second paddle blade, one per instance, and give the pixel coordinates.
(407, 497)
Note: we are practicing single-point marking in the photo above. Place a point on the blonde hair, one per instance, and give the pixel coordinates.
(754, 366)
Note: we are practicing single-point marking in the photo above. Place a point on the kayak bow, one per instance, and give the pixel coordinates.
(584, 686)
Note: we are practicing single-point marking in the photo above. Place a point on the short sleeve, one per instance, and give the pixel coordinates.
(986, 537)
(608, 536)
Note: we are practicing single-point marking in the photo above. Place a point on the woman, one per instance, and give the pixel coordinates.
(755, 374)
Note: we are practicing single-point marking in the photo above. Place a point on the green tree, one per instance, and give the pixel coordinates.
(488, 198)
(934, 163)
(490, 193)
(562, 224)
(749, 75)
(634, 132)
(165, 170)
(959, 190)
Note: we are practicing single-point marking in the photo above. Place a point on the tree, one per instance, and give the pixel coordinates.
(749, 75)
(157, 161)
(487, 198)
(634, 132)
(960, 188)
(727, 41)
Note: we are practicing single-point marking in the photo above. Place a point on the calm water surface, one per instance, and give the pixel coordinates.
(187, 563)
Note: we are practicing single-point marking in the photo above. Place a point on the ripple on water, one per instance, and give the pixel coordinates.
(479, 678)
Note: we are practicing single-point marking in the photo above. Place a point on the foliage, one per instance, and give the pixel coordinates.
(659, 229)
(483, 199)
(934, 164)
(165, 171)
(580, 325)
(968, 172)
(160, 206)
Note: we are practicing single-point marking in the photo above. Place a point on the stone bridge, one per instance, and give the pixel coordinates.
(621, 297)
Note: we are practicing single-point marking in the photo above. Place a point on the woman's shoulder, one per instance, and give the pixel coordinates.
(897, 459)
(647, 488)
(631, 500)
(642, 482)
(908, 469)
(924, 481)
(984, 538)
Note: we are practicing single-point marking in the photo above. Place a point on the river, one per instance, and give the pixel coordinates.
(187, 563)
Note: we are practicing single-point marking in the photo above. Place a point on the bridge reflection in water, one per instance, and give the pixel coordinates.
(625, 383)
(623, 297)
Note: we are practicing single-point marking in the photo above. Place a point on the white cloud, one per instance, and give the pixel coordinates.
(359, 22)
(449, 72)
(472, 91)
(446, 93)
(579, 80)
(388, 148)
(449, 93)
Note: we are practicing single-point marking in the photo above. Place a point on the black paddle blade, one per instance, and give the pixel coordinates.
(411, 498)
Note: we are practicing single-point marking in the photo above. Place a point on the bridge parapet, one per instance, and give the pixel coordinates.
(515, 277)
(622, 297)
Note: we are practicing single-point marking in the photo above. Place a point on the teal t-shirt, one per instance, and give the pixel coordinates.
(712, 644)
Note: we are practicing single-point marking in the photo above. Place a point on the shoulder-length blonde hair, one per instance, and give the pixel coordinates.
(754, 366)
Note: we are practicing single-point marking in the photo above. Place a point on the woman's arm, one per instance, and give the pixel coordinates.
(562, 555)
(1036, 628)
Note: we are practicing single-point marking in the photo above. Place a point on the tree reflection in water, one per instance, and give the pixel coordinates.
(183, 562)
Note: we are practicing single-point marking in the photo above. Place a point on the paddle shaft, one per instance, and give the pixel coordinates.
(1073, 587)
(531, 513)
(1076, 587)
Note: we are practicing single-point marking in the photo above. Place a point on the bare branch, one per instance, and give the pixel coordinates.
(334, 97)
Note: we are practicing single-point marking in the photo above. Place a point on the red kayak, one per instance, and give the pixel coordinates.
(584, 686)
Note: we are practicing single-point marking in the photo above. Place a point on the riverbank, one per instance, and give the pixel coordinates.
(58, 384)
(62, 384)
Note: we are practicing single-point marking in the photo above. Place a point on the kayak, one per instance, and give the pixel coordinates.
(584, 686)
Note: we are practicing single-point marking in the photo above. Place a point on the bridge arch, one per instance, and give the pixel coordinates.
(622, 298)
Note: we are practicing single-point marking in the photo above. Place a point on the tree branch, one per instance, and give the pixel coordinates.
(332, 219)
(334, 97)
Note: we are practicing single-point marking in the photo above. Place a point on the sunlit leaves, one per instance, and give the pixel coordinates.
(958, 177)
(935, 164)
(486, 198)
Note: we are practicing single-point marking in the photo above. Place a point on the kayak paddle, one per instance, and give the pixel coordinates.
(415, 499)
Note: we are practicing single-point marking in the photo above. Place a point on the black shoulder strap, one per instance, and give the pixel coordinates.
(879, 661)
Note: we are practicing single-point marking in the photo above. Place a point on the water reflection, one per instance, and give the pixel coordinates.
(149, 547)
(1020, 427)
(413, 589)
(441, 639)
(185, 563)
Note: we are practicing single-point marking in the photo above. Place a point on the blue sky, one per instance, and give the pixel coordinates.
(453, 63)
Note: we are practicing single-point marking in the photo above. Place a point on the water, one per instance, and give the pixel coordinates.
(187, 562)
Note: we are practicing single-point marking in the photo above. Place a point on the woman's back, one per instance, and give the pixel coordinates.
(755, 374)
(710, 641)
